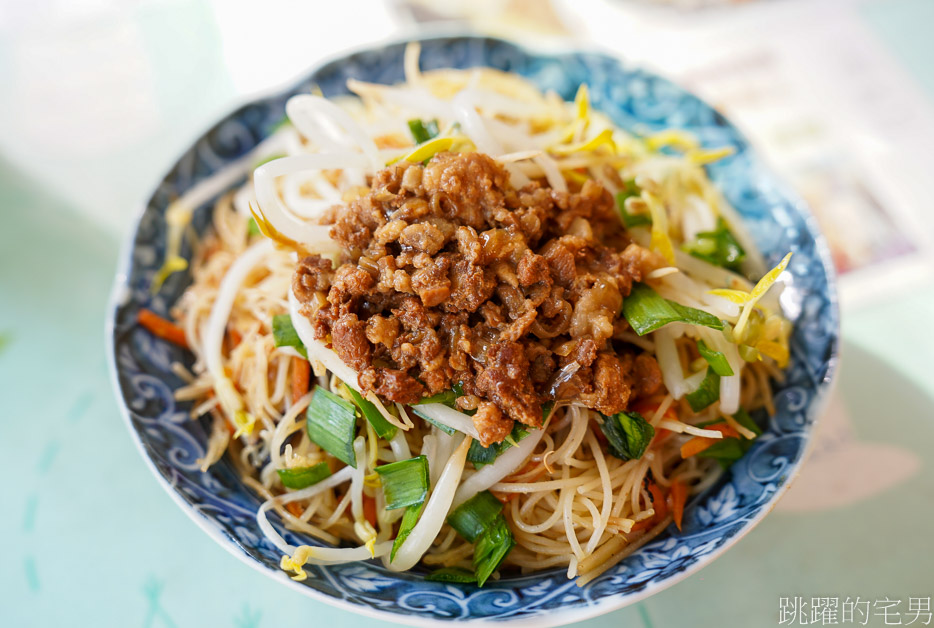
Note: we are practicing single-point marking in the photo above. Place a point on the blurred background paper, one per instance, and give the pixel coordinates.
(91, 88)
(98, 98)
(817, 92)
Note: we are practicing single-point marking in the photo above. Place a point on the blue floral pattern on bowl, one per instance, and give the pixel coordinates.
(636, 100)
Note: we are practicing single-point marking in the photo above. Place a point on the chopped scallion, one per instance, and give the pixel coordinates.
(405, 483)
(628, 434)
(423, 131)
(729, 450)
(646, 311)
(457, 575)
(491, 548)
(726, 451)
(480, 521)
(331, 424)
(715, 359)
(303, 477)
(718, 247)
(448, 397)
(384, 429)
(547, 407)
(284, 334)
(475, 515)
(441, 426)
(630, 220)
(706, 393)
(480, 455)
(742, 417)
(409, 519)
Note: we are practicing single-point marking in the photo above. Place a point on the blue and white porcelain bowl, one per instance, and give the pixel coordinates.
(224, 508)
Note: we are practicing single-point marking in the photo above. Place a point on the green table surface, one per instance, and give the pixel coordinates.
(90, 539)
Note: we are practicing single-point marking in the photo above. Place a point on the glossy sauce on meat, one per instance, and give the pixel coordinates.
(452, 276)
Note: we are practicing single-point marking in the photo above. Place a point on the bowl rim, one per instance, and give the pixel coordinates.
(815, 409)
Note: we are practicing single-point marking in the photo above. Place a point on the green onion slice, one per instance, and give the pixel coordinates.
(491, 548)
(405, 483)
(628, 434)
(409, 519)
(726, 451)
(448, 397)
(480, 455)
(742, 417)
(441, 426)
(646, 311)
(303, 477)
(630, 220)
(717, 247)
(715, 359)
(706, 393)
(382, 427)
(729, 450)
(285, 335)
(423, 131)
(475, 515)
(457, 575)
(331, 423)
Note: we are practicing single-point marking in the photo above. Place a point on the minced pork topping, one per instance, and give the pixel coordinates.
(453, 277)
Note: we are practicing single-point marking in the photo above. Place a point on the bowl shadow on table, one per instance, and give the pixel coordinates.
(852, 523)
(861, 449)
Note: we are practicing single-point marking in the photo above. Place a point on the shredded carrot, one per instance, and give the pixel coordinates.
(701, 443)
(369, 510)
(162, 328)
(678, 495)
(233, 339)
(658, 501)
(659, 504)
(301, 375)
(295, 509)
(642, 525)
(661, 435)
(504, 497)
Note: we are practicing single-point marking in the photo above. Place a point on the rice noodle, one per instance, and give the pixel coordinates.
(216, 326)
(489, 475)
(338, 478)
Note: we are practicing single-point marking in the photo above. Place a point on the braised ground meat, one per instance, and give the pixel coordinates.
(490, 423)
(453, 276)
